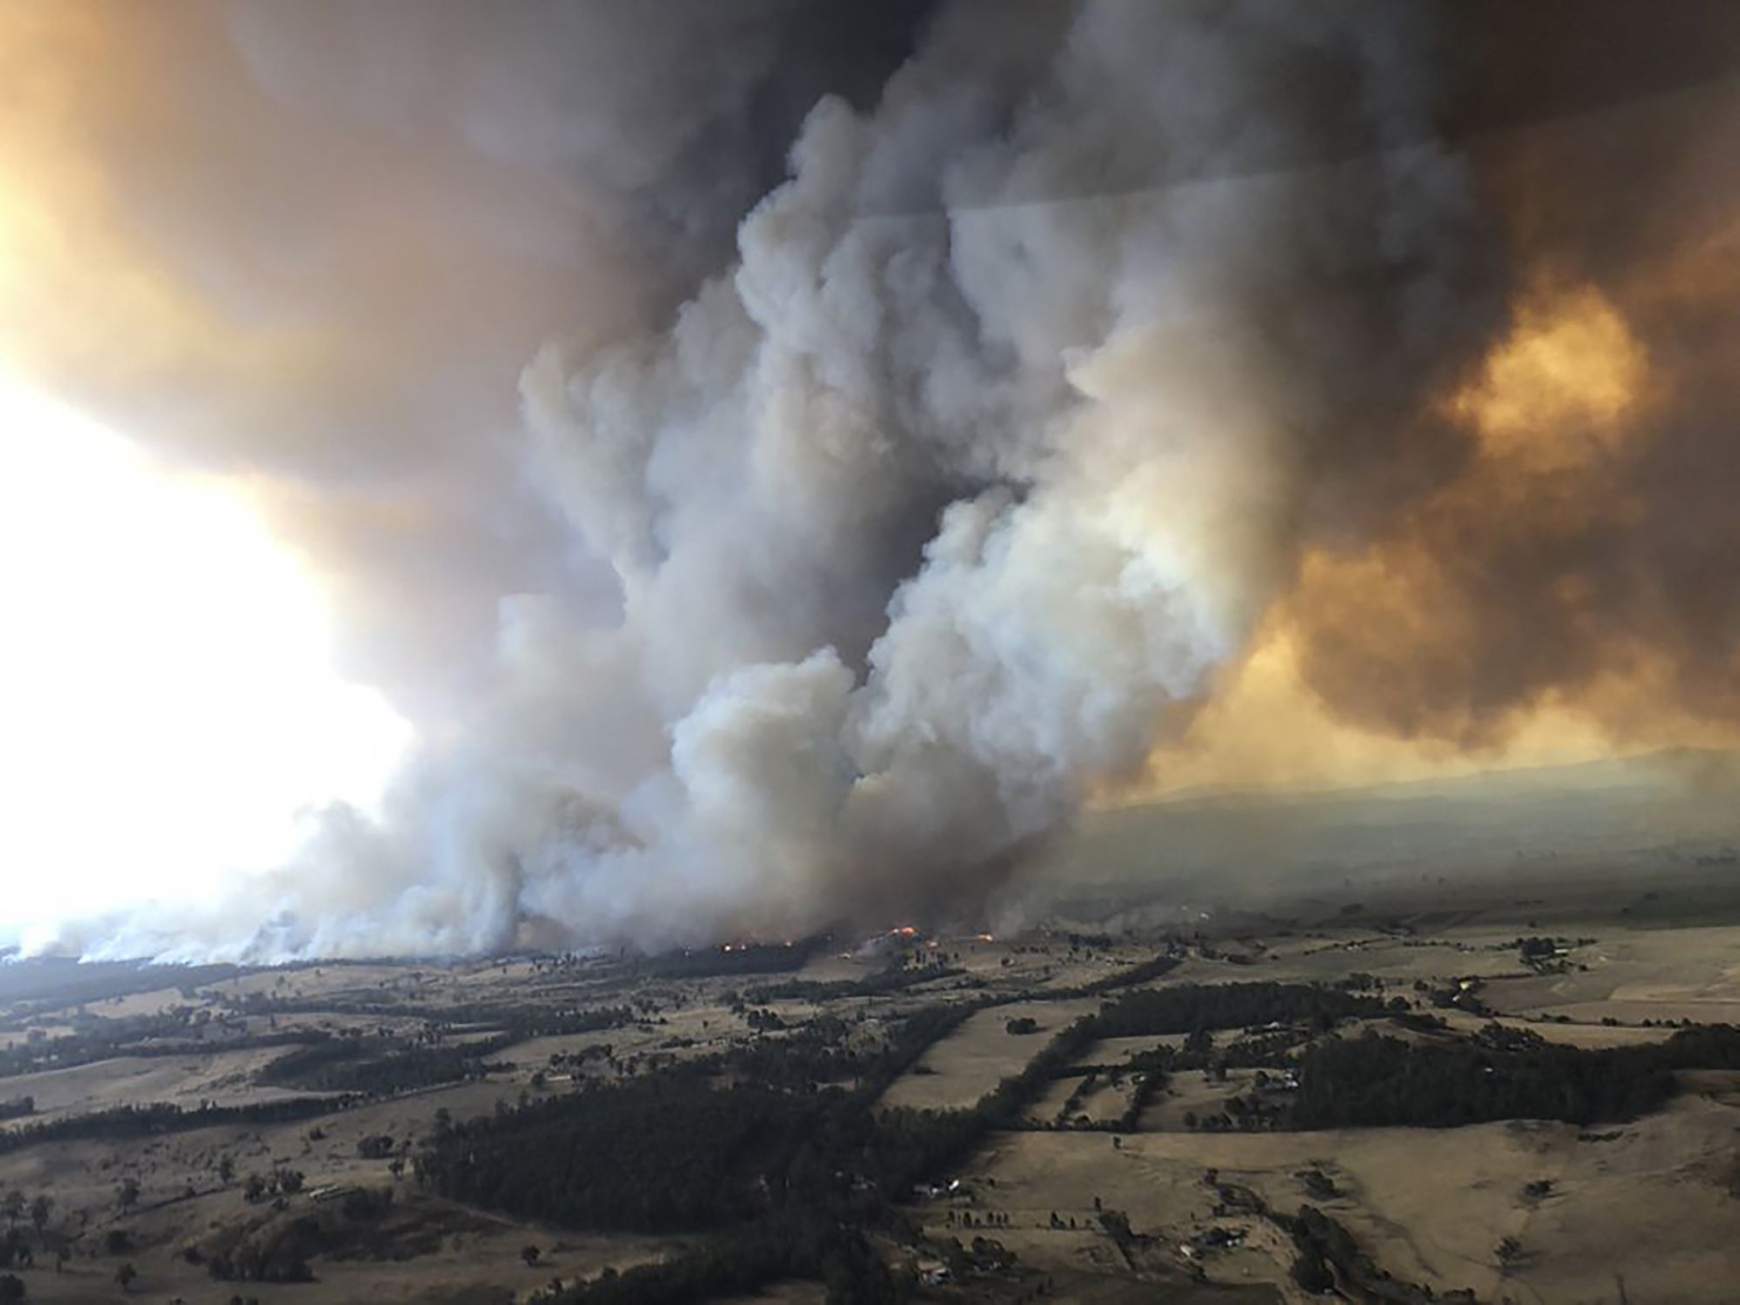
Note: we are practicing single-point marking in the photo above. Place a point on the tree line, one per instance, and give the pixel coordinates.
(367, 1068)
(674, 1152)
(1375, 1080)
(121, 1123)
(894, 979)
(1188, 1007)
(784, 1176)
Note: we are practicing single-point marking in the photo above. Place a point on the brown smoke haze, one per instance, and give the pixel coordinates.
(786, 469)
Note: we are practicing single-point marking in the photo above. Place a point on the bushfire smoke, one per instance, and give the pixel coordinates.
(1095, 356)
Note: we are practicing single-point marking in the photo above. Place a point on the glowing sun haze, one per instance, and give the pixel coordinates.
(169, 703)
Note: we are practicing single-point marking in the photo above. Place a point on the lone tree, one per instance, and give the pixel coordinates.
(125, 1275)
(530, 1254)
(1509, 1251)
(40, 1210)
(13, 1205)
(127, 1194)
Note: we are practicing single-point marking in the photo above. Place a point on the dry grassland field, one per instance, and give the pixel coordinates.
(1429, 1204)
(1152, 1114)
(223, 1077)
(971, 1061)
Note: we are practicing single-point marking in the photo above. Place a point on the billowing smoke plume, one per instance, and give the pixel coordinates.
(1103, 345)
(932, 510)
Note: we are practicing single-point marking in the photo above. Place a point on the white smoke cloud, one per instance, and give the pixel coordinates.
(934, 509)
(938, 506)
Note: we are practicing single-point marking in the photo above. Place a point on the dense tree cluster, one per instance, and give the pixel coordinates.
(1146, 971)
(675, 1151)
(377, 1069)
(1188, 1007)
(1534, 948)
(742, 958)
(776, 1155)
(550, 1024)
(381, 1066)
(1504, 1074)
(172, 1033)
(662, 1153)
(822, 1052)
(1327, 1255)
(282, 1249)
(797, 1245)
(781, 1172)
(126, 1122)
(50, 983)
(15, 1250)
(284, 1258)
(894, 979)
(519, 1020)
(375, 1146)
(786, 1173)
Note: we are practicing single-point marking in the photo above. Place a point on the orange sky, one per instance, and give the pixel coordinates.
(1554, 403)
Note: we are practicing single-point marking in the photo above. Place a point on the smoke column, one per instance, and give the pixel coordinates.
(931, 509)
(1093, 353)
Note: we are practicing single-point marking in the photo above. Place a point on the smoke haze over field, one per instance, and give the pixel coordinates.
(1093, 399)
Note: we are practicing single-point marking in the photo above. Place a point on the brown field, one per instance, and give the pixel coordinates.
(1101, 1100)
(471, 1260)
(464, 1255)
(45, 1030)
(1042, 960)
(1638, 974)
(1430, 1205)
(224, 1077)
(1193, 1092)
(1655, 1203)
(1109, 1051)
(971, 1060)
(1571, 1035)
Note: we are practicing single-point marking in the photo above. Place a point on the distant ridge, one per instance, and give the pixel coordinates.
(1632, 818)
(1662, 768)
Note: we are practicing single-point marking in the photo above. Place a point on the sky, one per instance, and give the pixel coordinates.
(169, 645)
(532, 474)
